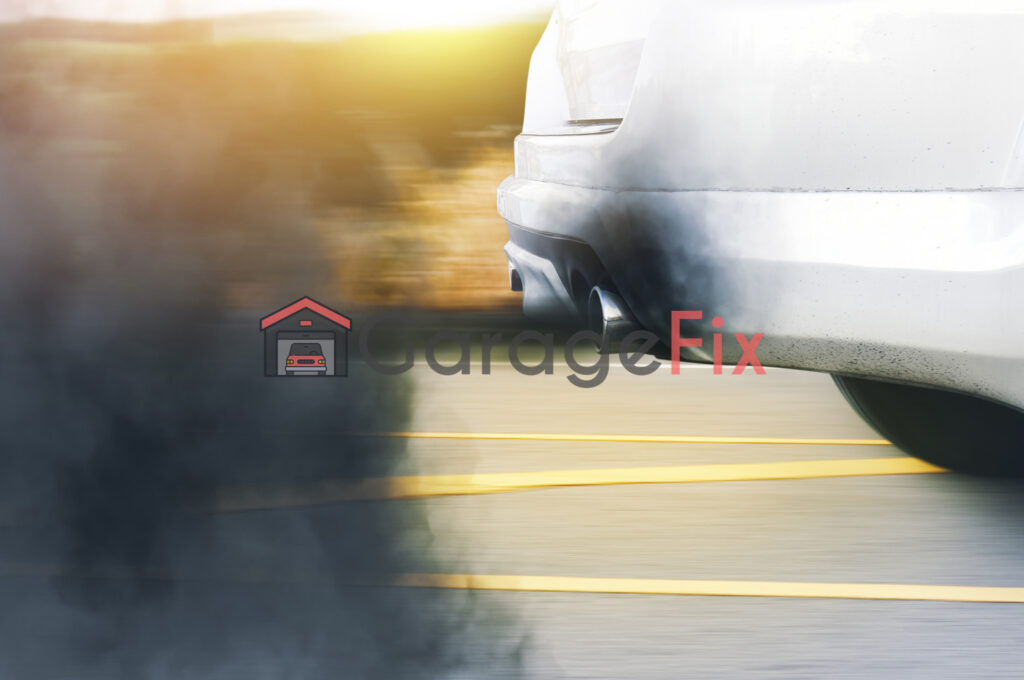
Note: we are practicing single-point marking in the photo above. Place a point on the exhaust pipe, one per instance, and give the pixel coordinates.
(609, 317)
(545, 297)
(515, 281)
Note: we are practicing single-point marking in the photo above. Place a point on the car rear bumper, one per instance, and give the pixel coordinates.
(916, 286)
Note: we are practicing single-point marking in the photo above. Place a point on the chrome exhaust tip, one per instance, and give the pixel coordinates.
(609, 316)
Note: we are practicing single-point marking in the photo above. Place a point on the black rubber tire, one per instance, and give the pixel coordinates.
(951, 430)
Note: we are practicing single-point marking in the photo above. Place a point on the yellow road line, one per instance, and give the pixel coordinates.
(429, 486)
(855, 591)
(571, 584)
(632, 438)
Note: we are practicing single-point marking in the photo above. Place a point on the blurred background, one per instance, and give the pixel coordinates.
(369, 140)
(170, 173)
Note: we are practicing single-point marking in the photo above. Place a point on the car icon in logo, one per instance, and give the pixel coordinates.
(305, 358)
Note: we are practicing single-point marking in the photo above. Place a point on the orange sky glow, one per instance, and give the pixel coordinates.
(365, 14)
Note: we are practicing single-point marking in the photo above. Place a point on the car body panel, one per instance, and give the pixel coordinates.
(843, 177)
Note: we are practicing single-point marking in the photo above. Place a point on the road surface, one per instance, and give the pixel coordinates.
(935, 529)
(227, 546)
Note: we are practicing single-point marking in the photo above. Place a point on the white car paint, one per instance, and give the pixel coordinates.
(845, 176)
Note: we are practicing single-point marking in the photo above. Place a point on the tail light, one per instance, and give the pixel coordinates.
(583, 70)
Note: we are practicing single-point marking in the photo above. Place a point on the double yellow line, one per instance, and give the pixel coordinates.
(431, 486)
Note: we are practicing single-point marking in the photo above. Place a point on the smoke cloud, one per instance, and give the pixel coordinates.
(131, 391)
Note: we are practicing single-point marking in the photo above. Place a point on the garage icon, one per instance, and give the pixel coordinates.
(305, 338)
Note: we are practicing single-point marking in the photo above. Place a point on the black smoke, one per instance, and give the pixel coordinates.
(131, 393)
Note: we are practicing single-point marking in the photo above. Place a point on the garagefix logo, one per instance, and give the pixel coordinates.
(307, 338)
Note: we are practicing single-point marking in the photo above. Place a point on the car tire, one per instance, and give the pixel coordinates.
(952, 430)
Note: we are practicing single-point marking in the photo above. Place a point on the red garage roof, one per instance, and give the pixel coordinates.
(305, 303)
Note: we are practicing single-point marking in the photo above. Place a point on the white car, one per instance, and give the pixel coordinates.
(844, 176)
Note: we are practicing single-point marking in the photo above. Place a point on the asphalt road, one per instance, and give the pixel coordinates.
(935, 529)
(101, 580)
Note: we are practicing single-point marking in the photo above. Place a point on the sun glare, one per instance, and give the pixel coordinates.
(373, 15)
(398, 14)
